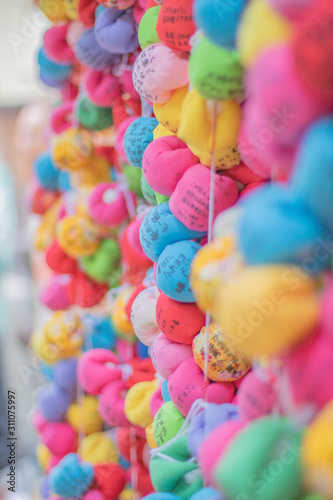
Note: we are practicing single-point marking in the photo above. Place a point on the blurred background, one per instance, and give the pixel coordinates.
(24, 109)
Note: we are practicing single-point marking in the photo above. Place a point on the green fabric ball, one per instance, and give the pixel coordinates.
(133, 176)
(147, 28)
(167, 423)
(103, 262)
(262, 462)
(160, 198)
(93, 117)
(148, 192)
(179, 476)
(216, 73)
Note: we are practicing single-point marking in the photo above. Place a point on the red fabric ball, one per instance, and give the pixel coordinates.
(59, 261)
(125, 439)
(143, 371)
(144, 484)
(241, 173)
(85, 292)
(132, 298)
(110, 479)
(135, 265)
(313, 48)
(175, 24)
(86, 9)
(42, 200)
(180, 322)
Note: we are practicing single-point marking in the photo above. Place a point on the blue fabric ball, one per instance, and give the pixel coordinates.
(312, 178)
(142, 350)
(46, 172)
(207, 494)
(52, 70)
(173, 270)
(160, 228)
(219, 20)
(71, 478)
(138, 136)
(165, 391)
(64, 181)
(161, 496)
(278, 228)
(100, 332)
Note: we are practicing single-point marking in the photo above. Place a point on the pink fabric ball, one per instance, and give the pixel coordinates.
(59, 438)
(256, 396)
(215, 445)
(102, 88)
(120, 137)
(96, 368)
(55, 294)
(61, 117)
(111, 404)
(156, 402)
(190, 200)
(187, 384)
(164, 162)
(107, 204)
(167, 356)
(164, 72)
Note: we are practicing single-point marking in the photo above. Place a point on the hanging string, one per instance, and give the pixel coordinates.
(210, 224)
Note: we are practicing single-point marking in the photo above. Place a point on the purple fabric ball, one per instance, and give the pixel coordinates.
(53, 402)
(116, 31)
(206, 421)
(89, 53)
(64, 374)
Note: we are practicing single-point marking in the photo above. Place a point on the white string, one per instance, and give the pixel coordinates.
(210, 228)
(196, 407)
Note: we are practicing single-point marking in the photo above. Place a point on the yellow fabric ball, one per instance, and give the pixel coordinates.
(195, 129)
(44, 350)
(46, 231)
(150, 436)
(266, 310)
(43, 456)
(78, 236)
(317, 452)
(126, 494)
(97, 448)
(119, 316)
(168, 114)
(71, 8)
(98, 171)
(54, 10)
(73, 150)
(161, 131)
(225, 362)
(137, 403)
(205, 275)
(260, 27)
(85, 416)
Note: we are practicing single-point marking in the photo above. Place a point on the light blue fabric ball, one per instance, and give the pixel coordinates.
(276, 227)
(312, 178)
(173, 270)
(219, 20)
(138, 136)
(160, 228)
(46, 172)
(71, 478)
